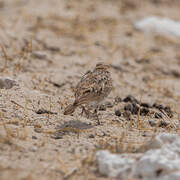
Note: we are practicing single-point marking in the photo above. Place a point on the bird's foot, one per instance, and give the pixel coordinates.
(87, 113)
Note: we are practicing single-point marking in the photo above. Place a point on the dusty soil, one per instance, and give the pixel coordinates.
(46, 46)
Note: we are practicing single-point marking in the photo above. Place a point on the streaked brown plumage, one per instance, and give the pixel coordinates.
(92, 89)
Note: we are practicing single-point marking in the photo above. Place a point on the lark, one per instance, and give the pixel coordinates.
(92, 89)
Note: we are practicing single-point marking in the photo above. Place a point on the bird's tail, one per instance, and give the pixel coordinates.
(70, 109)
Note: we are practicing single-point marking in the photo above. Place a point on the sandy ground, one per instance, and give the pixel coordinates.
(46, 46)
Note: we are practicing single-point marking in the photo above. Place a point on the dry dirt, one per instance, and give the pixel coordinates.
(46, 46)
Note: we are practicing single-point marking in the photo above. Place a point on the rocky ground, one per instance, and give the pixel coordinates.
(45, 47)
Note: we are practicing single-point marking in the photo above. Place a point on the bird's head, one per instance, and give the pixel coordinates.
(102, 66)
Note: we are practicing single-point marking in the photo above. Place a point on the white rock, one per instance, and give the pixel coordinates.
(161, 163)
(156, 163)
(159, 25)
(7, 83)
(113, 165)
(161, 139)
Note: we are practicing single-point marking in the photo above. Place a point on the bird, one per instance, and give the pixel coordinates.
(92, 89)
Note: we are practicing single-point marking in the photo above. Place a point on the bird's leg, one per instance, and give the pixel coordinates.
(85, 111)
(96, 115)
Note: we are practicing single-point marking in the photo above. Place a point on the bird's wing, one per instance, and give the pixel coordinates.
(86, 90)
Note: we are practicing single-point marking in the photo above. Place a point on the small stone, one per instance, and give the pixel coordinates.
(161, 108)
(175, 73)
(118, 112)
(128, 107)
(163, 124)
(38, 130)
(109, 104)
(34, 137)
(144, 111)
(158, 115)
(118, 99)
(53, 48)
(158, 106)
(33, 149)
(57, 137)
(101, 134)
(102, 107)
(91, 136)
(154, 105)
(135, 108)
(144, 134)
(145, 105)
(152, 123)
(132, 107)
(7, 83)
(97, 43)
(130, 98)
(168, 111)
(44, 111)
(38, 54)
(127, 114)
(129, 33)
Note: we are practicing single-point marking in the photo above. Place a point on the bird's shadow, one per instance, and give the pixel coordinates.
(74, 126)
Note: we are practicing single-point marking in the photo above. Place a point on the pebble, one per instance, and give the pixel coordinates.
(168, 111)
(152, 122)
(145, 105)
(57, 137)
(118, 99)
(163, 124)
(158, 115)
(118, 112)
(127, 114)
(132, 107)
(161, 108)
(102, 107)
(158, 106)
(109, 104)
(175, 73)
(130, 98)
(34, 137)
(101, 134)
(39, 54)
(38, 130)
(128, 107)
(7, 83)
(33, 149)
(144, 111)
(135, 108)
(91, 136)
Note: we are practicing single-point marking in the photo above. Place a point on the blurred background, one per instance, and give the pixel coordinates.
(140, 39)
(82, 31)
